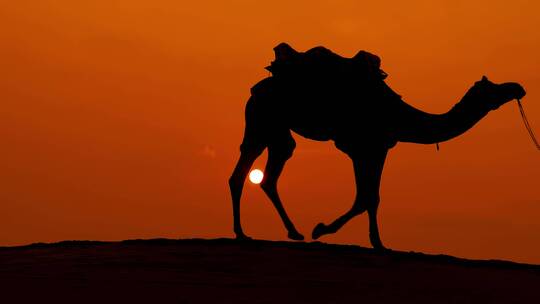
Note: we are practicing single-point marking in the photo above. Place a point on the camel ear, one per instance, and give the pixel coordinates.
(484, 78)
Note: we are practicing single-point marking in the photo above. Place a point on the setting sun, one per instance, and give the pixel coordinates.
(256, 176)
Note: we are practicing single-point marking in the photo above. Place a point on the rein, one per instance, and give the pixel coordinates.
(527, 125)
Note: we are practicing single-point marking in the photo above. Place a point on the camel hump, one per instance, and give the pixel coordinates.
(321, 63)
(285, 52)
(370, 62)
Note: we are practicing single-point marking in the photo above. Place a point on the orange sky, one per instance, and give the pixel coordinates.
(122, 119)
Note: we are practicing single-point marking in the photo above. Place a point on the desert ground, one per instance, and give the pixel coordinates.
(229, 271)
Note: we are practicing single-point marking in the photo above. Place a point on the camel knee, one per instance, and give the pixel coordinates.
(370, 200)
(234, 181)
(357, 210)
(235, 185)
(364, 203)
(268, 184)
(374, 203)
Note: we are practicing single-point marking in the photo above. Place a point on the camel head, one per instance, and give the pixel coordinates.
(491, 95)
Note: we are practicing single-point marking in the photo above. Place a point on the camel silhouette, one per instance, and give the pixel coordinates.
(362, 115)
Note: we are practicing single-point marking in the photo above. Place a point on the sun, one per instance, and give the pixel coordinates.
(256, 176)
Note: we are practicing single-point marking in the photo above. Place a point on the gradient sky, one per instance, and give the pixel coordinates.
(122, 119)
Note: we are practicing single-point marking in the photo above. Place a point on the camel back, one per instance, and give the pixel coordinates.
(321, 64)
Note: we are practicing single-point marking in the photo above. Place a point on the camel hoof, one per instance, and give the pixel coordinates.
(318, 231)
(296, 236)
(242, 237)
(382, 249)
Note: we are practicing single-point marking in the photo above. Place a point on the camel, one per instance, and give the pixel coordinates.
(364, 117)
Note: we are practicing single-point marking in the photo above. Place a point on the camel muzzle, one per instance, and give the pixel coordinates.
(520, 91)
(510, 91)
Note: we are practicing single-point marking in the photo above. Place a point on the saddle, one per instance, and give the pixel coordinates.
(320, 63)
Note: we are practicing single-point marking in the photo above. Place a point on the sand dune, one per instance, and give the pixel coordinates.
(227, 271)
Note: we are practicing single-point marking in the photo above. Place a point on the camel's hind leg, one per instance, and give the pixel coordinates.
(368, 166)
(280, 149)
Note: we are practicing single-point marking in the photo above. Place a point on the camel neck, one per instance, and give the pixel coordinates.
(416, 126)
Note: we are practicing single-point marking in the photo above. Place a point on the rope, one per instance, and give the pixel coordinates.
(527, 125)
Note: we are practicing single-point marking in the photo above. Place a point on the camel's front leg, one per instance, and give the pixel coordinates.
(236, 184)
(374, 236)
(368, 166)
(279, 151)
